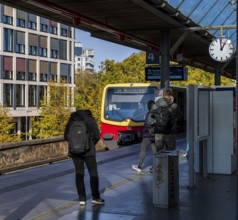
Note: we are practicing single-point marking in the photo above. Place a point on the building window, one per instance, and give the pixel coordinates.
(20, 42)
(53, 53)
(32, 96)
(7, 74)
(7, 67)
(8, 95)
(20, 95)
(32, 50)
(53, 77)
(53, 71)
(31, 25)
(53, 30)
(8, 40)
(21, 75)
(20, 48)
(42, 52)
(43, 77)
(64, 72)
(7, 19)
(31, 76)
(43, 27)
(54, 48)
(20, 22)
(43, 93)
(63, 78)
(32, 70)
(32, 44)
(63, 50)
(64, 32)
(78, 51)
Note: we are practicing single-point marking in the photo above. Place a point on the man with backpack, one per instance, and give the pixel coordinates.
(165, 114)
(82, 134)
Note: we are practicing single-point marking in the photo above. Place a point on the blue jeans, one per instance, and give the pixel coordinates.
(92, 169)
(146, 142)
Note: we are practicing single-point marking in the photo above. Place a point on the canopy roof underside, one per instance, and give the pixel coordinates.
(138, 24)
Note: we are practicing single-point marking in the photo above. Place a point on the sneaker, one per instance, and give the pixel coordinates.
(135, 167)
(82, 202)
(151, 170)
(184, 155)
(98, 201)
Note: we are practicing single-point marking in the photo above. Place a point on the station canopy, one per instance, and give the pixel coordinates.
(192, 24)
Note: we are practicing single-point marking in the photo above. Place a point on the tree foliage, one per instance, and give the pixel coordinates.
(131, 70)
(53, 112)
(7, 126)
(87, 93)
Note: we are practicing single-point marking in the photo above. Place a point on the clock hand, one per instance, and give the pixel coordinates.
(224, 43)
(220, 43)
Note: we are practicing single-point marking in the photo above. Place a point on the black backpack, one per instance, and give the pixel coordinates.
(161, 113)
(78, 137)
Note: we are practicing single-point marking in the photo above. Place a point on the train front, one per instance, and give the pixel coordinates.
(124, 107)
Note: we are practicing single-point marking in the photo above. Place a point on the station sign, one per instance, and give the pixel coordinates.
(152, 57)
(177, 73)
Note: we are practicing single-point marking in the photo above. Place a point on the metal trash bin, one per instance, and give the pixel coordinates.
(165, 179)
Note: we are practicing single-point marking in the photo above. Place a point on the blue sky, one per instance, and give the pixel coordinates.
(103, 49)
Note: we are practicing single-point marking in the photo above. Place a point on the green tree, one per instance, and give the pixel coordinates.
(87, 95)
(54, 112)
(6, 126)
(131, 70)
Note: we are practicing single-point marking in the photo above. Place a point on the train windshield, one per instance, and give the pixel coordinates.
(127, 103)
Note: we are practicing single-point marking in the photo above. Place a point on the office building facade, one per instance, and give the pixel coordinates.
(33, 51)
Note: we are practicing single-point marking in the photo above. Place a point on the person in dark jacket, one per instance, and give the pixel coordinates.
(167, 140)
(88, 158)
(148, 138)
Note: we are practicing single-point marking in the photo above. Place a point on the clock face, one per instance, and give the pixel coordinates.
(221, 49)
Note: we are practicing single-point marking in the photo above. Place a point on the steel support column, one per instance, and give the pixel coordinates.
(165, 58)
(218, 74)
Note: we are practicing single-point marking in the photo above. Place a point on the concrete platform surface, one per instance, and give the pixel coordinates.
(48, 192)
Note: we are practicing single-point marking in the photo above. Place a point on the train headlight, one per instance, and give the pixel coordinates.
(108, 136)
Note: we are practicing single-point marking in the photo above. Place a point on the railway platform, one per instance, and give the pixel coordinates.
(48, 192)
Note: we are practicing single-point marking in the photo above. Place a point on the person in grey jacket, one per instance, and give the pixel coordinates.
(167, 140)
(88, 158)
(148, 138)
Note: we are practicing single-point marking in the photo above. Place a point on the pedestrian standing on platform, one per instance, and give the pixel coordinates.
(88, 157)
(148, 138)
(165, 114)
